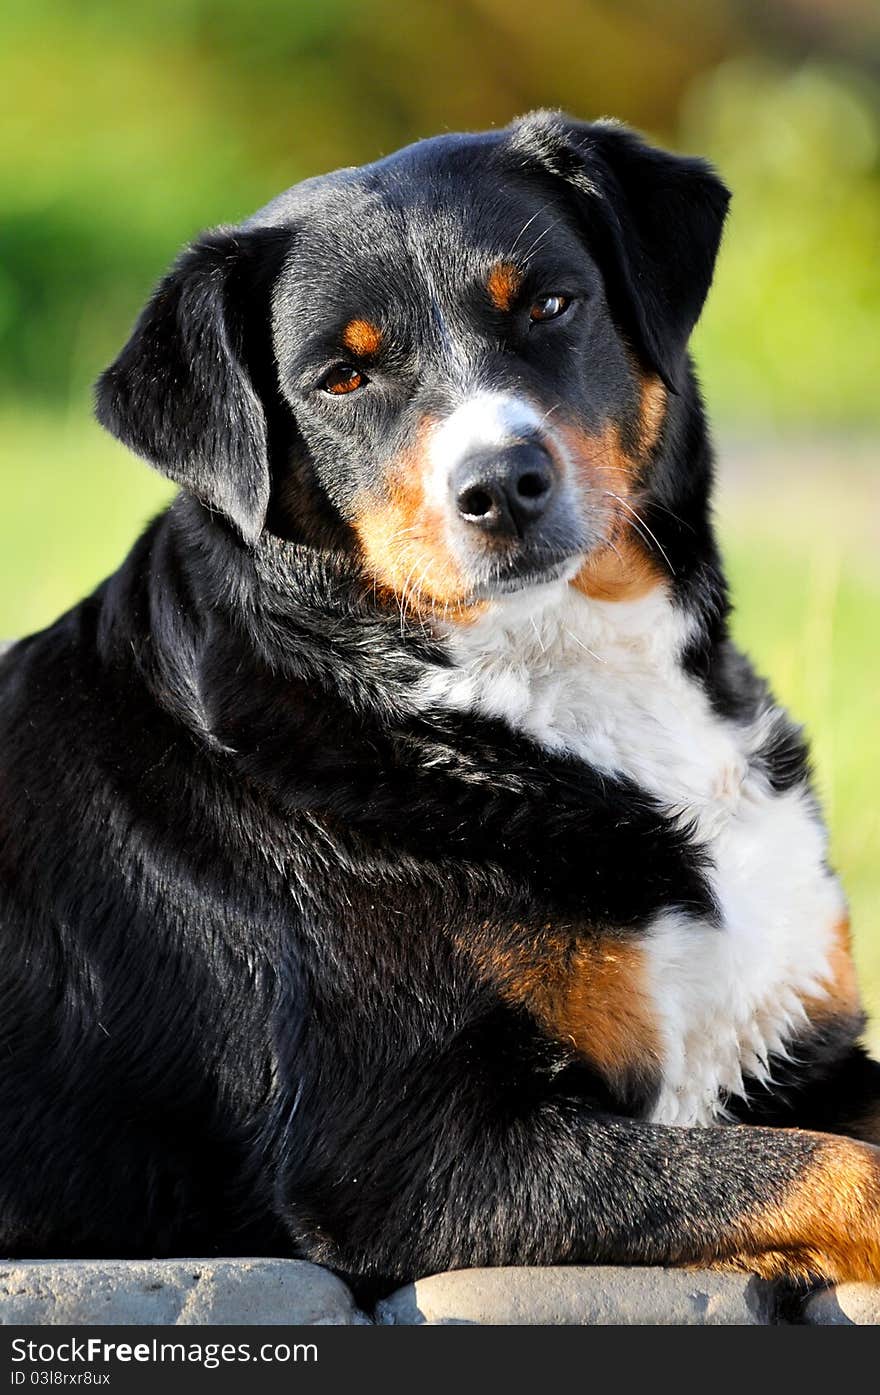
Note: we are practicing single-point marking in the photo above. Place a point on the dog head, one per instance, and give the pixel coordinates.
(460, 358)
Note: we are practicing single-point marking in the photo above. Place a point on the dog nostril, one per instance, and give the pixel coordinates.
(475, 503)
(532, 485)
(504, 491)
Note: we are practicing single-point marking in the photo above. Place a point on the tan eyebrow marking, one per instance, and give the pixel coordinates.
(503, 282)
(362, 337)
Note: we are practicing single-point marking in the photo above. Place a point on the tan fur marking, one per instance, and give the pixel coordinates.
(842, 997)
(591, 995)
(843, 1000)
(403, 547)
(652, 412)
(624, 570)
(624, 573)
(604, 1009)
(601, 460)
(503, 283)
(828, 1224)
(362, 338)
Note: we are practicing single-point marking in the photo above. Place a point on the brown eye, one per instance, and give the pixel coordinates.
(549, 307)
(343, 379)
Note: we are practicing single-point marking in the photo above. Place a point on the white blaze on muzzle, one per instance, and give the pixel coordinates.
(486, 421)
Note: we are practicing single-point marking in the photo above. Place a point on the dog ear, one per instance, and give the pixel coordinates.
(180, 393)
(653, 221)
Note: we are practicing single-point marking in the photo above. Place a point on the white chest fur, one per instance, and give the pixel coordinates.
(603, 681)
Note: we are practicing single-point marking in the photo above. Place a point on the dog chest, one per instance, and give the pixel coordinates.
(715, 1002)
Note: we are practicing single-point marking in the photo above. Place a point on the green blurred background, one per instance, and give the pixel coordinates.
(126, 128)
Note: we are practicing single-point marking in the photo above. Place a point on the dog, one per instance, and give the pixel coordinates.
(400, 868)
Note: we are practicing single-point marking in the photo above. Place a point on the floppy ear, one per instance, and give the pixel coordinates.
(180, 394)
(653, 221)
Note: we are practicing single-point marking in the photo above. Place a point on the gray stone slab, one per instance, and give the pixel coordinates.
(178, 1291)
(848, 1305)
(580, 1296)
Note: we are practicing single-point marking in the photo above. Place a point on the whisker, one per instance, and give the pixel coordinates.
(404, 598)
(539, 239)
(655, 504)
(415, 594)
(590, 651)
(527, 225)
(550, 411)
(641, 524)
(419, 584)
(609, 542)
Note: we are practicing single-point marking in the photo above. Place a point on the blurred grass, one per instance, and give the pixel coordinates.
(73, 501)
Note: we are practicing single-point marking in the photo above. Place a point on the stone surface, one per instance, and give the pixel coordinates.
(281, 1292)
(848, 1305)
(192, 1291)
(571, 1296)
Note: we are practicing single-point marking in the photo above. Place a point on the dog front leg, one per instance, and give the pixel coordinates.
(445, 1188)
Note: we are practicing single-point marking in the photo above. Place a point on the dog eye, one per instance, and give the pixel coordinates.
(549, 307)
(343, 379)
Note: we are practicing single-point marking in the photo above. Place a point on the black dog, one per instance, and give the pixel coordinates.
(399, 867)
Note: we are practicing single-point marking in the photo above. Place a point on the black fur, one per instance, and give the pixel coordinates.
(179, 393)
(239, 865)
(653, 222)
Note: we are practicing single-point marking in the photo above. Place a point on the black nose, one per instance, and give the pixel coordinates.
(504, 490)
